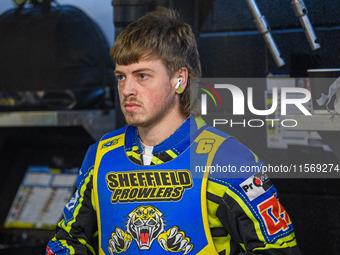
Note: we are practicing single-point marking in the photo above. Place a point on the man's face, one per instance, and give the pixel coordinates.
(146, 92)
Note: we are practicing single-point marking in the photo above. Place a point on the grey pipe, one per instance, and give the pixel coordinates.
(301, 12)
(263, 28)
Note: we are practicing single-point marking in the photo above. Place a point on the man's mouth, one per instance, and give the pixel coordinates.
(131, 107)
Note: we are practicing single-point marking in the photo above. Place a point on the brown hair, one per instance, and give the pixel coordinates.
(160, 34)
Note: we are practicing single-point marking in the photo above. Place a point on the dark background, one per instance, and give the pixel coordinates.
(229, 46)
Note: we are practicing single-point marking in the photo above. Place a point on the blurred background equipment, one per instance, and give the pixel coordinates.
(52, 57)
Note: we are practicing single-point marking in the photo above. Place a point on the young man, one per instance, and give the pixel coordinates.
(138, 192)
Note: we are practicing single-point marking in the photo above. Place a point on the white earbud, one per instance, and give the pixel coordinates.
(178, 83)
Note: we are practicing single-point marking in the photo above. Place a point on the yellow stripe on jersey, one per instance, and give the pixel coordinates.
(133, 153)
(214, 222)
(199, 122)
(112, 143)
(135, 148)
(89, 247)
(93, 202)
(171, 153)
(218, 190)
(256, 157)
(222, 243)
(215, 142)
(288, 241)
(156, 160)
(64, 244)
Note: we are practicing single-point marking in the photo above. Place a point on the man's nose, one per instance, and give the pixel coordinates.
(129, 87)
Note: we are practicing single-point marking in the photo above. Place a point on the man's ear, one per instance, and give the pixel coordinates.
(181, 80)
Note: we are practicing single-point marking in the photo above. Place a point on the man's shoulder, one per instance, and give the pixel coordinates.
(231, 146)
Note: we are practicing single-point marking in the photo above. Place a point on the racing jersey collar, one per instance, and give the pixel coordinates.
(178, 141)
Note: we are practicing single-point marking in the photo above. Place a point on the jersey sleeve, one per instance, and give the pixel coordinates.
(245, 214)
(77, 231)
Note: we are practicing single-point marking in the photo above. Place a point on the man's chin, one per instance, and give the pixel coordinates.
(132, 120)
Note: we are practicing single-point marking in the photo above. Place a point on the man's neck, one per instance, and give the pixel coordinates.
(159, 131)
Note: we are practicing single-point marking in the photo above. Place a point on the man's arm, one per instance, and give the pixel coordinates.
(77, 231)
(247, 215)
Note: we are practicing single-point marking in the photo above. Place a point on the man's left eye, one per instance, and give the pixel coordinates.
(143, 76)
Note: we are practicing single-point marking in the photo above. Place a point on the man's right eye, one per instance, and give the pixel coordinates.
(120, 77)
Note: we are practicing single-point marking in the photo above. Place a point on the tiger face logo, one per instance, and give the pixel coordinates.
(144, 225)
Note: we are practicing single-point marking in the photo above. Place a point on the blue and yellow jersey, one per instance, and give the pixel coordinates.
(196, 197)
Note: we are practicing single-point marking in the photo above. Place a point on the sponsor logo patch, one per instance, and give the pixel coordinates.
(256, 185)
(110, 143)
(274, 215)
